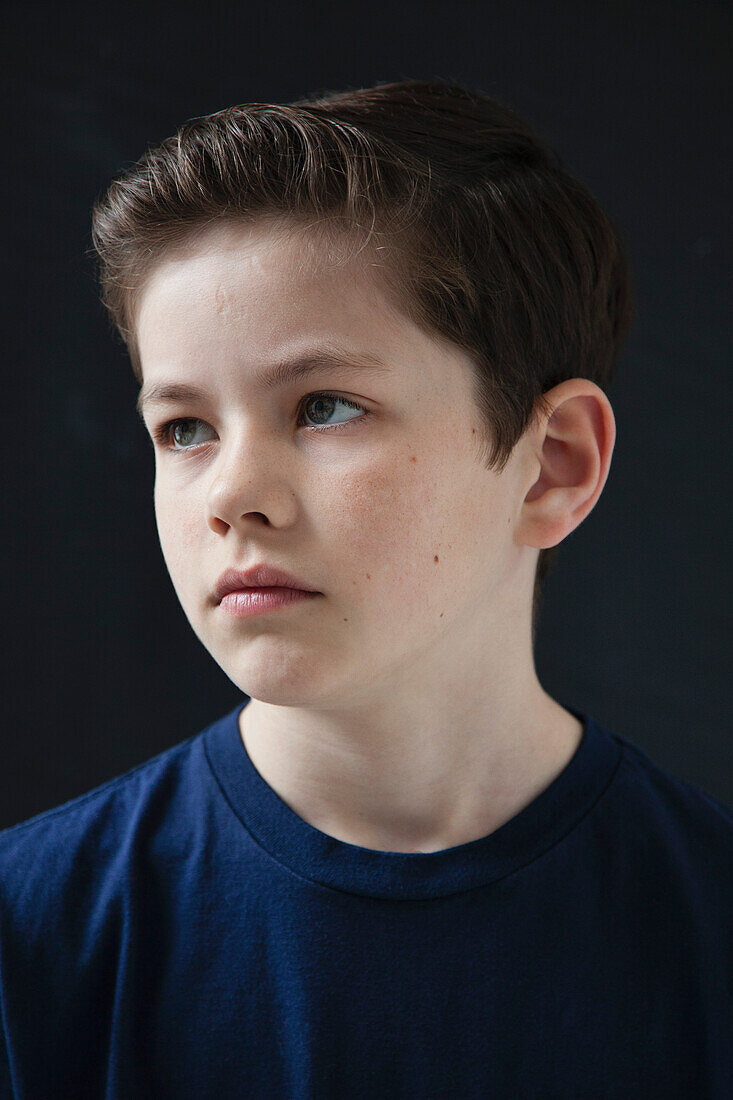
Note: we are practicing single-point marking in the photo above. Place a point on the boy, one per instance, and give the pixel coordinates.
(373, 334)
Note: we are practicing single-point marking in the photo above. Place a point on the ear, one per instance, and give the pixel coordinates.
(568, 457)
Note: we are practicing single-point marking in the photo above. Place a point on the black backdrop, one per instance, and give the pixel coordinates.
(102, 670)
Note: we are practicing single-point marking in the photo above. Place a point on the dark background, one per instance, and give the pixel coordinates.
(102, 670)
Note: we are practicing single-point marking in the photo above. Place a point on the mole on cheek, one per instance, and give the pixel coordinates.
(436, 558)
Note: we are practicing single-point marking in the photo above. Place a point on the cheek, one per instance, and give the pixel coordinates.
(179, 534)
(421, 525)
(393, 518)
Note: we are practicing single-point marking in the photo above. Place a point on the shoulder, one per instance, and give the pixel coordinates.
(665, 790)
(72, 850)
(673, 823)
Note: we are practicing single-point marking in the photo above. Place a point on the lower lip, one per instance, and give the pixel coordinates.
(254, 601)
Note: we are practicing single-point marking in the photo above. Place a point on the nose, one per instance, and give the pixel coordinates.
(250, 480)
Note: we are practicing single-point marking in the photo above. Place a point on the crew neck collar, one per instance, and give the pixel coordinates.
(305, 850)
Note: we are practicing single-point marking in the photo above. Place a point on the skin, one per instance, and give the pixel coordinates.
(400, 710)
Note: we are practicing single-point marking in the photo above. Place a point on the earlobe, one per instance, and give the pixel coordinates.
(574, 445)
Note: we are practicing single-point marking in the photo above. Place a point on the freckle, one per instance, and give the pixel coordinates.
(369, 576)
(473, 431)
(413, 458)
(441, 615)
(346, 620)
(436, 558)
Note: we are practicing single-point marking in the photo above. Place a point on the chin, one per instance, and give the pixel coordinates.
(284, 683)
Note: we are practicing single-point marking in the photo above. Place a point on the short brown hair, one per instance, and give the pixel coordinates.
(482, 235)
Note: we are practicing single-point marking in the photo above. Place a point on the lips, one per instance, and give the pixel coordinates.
(257, 576)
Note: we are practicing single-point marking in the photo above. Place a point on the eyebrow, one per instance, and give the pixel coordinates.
(283, 373)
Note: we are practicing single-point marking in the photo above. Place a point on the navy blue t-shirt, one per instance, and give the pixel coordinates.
(181, 932)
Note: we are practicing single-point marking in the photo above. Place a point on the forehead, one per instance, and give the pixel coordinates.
(239, 300)
(263, 280)
(237, 264)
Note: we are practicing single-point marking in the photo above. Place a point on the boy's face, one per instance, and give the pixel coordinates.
(393, 518)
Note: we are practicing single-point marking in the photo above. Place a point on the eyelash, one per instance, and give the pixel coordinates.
(162, 433)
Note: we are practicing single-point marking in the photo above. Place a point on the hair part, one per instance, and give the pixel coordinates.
(479, 232)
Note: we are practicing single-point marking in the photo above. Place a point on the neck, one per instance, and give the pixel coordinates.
(416, 780)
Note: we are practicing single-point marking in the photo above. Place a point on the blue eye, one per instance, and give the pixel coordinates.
(166, 432)
(328, 399)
